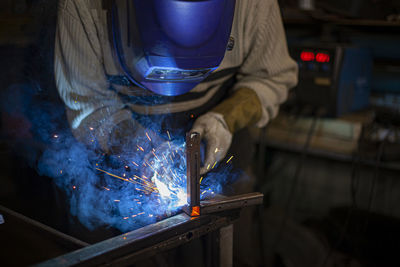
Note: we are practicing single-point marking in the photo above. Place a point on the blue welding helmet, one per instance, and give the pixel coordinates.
(170, 46)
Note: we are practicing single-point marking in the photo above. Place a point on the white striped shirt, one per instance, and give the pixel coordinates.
(83, 58)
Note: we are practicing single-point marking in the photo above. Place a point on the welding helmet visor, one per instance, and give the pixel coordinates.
(170, 46)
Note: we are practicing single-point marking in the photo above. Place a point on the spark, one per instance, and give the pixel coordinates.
(74, 187)
(141, 148)
(148, 137)
(153, 169)
(201, 179)
(229, 159)
(125, 218)
(126, 180)
(117, 200)
(208, 166)
(134, 163)
(173, 174)
(169, 145)
(108, 189)
(215, 163)
(216, 150)
(169, 137)
(138, 189)
(91, 128)
(165, 158)
(61, 171)
(155, 155)
(145, 181)
(55, 136)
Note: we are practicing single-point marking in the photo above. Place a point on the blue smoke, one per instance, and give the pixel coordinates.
(99, 199)
(123, 191)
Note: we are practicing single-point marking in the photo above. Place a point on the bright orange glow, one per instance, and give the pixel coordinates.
(195, 211)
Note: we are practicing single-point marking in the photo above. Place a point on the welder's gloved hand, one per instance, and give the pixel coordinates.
(127, 136)
(214, 131)
(241, 109)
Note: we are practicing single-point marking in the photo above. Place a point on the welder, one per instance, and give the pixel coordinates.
(214, 66)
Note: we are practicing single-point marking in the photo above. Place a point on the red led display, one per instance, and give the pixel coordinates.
(322, 57)
(307, 56)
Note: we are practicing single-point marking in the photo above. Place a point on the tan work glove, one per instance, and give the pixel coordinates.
(242, 109)
(127, 135)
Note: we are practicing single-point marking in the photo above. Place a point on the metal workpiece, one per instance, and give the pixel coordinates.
(223, 203)
(193, 173)
(226, 246)
(145, 242)
(217, 204)
(46, 232)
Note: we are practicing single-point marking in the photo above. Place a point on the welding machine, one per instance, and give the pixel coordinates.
(336, 78)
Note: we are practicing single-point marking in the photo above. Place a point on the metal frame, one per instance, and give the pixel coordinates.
(147, 241)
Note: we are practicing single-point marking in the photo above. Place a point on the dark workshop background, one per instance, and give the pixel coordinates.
(329, 164)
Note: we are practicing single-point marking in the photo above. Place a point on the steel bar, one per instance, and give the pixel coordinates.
(226, 246)
(145, 242)
(222, 203)
(193, 173)
(66, 240)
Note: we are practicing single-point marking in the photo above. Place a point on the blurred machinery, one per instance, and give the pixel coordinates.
(367, 9)
(336, 77)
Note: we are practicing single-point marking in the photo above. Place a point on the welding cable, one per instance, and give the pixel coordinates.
(376, 176)
(259, 184)
(354, 192)
(298, 170)
(354, 184)
(355, 169)
(295, 113)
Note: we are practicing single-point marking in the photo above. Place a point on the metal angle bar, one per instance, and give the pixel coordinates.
(228, 203)
(177, 240)
(69, 241)
(226, 246)
(193, 173)
(149, 239)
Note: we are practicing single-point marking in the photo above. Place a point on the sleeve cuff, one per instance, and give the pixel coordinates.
(268, 99)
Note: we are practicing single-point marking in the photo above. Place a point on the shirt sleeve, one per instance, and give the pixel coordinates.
(268, 69)
(93, 110)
